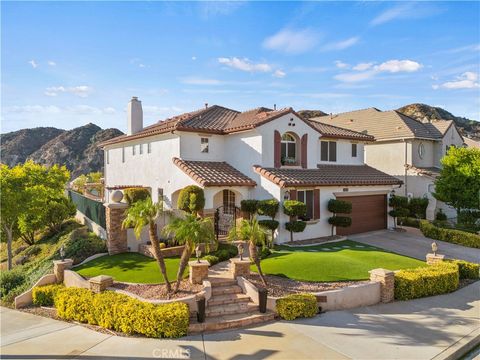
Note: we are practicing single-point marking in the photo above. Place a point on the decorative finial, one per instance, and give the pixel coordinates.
(240, 249)
(198, 252)
(62, 253)
(434, 248)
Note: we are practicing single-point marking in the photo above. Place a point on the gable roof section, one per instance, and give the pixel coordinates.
(220, 120)
(328, 130)
(383, 125)
(327, 175)
(213, 173)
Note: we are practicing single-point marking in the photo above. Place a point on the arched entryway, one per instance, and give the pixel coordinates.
(227, 211)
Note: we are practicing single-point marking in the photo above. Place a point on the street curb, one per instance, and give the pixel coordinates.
(461, 347)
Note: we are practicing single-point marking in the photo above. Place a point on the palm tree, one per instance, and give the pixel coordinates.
(144, 213)
(190, 231)
(251, 231)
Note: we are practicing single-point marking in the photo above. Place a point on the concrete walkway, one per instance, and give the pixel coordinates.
(412, 243)
(419, 329)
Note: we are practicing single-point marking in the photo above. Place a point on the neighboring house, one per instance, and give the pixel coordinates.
(472, 143)
(405, 148)
(256, 154)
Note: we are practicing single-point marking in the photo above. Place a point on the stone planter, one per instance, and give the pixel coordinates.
(198, 271)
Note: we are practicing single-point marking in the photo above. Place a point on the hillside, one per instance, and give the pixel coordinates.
(76, 148)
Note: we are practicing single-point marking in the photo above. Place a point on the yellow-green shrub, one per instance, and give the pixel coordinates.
(297, 305)
(426, 281)
(467, 270)
(44, 295)
(122, 313)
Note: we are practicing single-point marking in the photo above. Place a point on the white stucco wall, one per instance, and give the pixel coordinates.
(428, 159)
(388, 157)
(190, 147)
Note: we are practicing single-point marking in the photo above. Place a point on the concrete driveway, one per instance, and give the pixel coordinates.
(426, 328)
(412, 243)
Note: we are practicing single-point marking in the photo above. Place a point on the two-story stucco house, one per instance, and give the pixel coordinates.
(405, 148)
(256, 154)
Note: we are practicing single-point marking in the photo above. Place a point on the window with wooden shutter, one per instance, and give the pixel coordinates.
(324, 151)
(304, 151)
(354, 150)
(277, 151)
(332, 151)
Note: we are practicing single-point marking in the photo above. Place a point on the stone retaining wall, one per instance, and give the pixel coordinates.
(72, 279)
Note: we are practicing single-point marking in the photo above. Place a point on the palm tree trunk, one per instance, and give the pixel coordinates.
(254, 255)
(152, 230)
(183, 264)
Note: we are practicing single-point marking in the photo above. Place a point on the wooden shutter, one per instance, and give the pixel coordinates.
(277, 149)
(316, 204)
(332, 151)
(293, 194)
(304, 151)
(324, 150)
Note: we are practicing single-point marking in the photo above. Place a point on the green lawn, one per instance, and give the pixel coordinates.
(333, 262)
(130, 267)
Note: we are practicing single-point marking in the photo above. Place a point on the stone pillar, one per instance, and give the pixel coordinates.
(433, 259)
(386, 278)
(239, 267)
(116, 235)
(198, 271)
(59, 267)
(100, 283)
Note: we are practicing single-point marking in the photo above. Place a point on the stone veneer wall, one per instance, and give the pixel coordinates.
(116, 235)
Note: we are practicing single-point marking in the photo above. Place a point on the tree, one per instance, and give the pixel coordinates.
(249, 207)
(190, 231)
(255, 235)
(191, 199)
(336, 207)
(399, 205)
(57, 211)
(269, 208)
(294, 209)
(459, 182)
(145, 213)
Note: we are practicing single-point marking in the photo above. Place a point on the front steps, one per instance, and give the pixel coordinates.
(228, 308)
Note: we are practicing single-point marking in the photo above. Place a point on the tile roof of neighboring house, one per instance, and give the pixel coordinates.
(429, 171)
(383, 125)
(471, 142)
(440, 125)
(213, 173)
(328, 130)
(327, 175)
(220, 120)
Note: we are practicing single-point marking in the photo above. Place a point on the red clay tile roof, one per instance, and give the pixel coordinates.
(220, 120)
(328, 130)
(213, 173)
(327, 175)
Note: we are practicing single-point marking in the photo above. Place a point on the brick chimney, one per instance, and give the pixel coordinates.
(134, 116)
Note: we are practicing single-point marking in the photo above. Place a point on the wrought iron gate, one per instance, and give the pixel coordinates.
(225, 218)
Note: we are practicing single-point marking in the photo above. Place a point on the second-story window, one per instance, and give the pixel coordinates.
(204, 145)
(354, 150)
(133, 150)
(328, 151)
(289, 149)
(149, 148)
(123, 154)
(141, 149)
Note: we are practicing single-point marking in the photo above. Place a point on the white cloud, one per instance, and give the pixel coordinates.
(394, 66)
(193, 80)
(81, 91)
(363, 66)
(291, 41)
(194, 58)
(218, 8)
(341, 65)
(33, 63)
(279, 74)
(340, 45)
(468, 80)
(51, 63)
(404, 11)
(245, 64)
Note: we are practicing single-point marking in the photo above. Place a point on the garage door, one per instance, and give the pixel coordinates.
(368, 213)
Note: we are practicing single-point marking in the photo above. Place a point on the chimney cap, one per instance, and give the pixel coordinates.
(134, 97)
(206, 105)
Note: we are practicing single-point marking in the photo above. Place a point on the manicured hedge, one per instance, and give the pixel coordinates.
(191, 199)
(450, 235)
(467, 270)
(297, 305)
(426, 281)
(409, 221)
(122, 313)
(45, 295)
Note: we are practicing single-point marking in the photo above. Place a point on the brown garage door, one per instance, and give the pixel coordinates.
(368, 213)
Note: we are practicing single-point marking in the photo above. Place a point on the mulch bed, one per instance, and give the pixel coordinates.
(159, 292)
(279, 286)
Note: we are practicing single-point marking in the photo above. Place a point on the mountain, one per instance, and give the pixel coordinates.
(425, 113)
(308, 114)
(77, 149)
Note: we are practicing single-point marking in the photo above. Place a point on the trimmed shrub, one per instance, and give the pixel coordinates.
(294, 208)
(397, 201)
(132, 195)
(342, 221)
(409, 221)
(122, 313)
(212, 259)
(249, 207)
(339, 206)
(467, 270)
(295, 226)
(269, 224)
(297, 305)
(468, 218)
(440, 215)
(223, 252)
(418, 207)
(82, 244)
(400, 212)
(45, 295)
(9, 280)
(426, 281)
(268, 208)
(450, 235)
(191, 199)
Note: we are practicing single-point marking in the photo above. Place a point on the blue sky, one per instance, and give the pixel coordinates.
(65, 64)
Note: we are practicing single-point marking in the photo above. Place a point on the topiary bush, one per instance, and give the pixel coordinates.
(249, 207)
(122, 313)
(191, 199)
(268, 207)
(418, 207)
(295, 226)
(297, 305)
(339, 206)
(294, 208)
(450, 235)
(9, 280)
(269, 224)
(426, 281)
(467, 270)
(45, 295)
(132, 195)
(342, 221)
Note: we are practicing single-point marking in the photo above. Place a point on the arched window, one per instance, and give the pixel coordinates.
(289, 149)
(228, 201)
